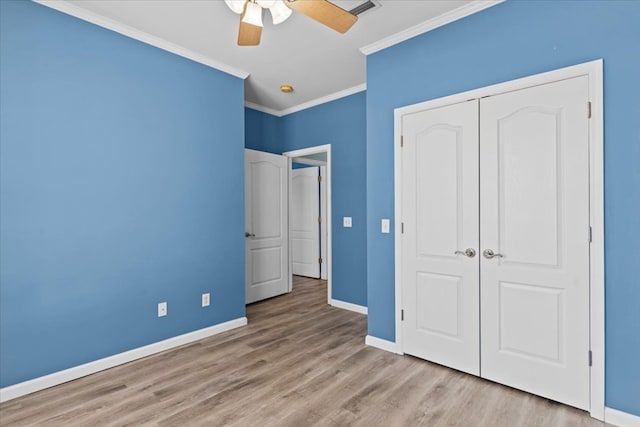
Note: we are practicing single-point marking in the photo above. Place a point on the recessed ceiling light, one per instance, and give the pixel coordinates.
(286, 88)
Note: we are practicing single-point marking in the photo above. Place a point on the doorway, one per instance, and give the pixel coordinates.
(318, 156)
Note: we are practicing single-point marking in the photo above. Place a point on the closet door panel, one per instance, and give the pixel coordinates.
(534, 215)
(440, 216)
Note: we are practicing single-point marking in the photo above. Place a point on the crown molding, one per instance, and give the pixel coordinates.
(259, 107)
(325, 99)
(314, 102)
(94, 18)
(431, 24)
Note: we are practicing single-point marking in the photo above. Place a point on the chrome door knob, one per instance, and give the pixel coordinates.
(469, 252)
(489, 254)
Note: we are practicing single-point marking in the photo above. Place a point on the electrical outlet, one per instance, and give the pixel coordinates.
(347, 221)
(386, 226)
(162, 309)
(206, 300)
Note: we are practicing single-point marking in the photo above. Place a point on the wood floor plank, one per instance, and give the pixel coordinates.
(299, 362)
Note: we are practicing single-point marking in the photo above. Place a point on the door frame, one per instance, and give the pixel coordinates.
(593, 70)
(323, 225)
(305, 152)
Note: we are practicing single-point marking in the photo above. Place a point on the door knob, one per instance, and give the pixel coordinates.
(488, 254)
(247, 234)
(469, 252)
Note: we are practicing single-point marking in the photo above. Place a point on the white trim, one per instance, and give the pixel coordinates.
(267, 110)
(41, 383)
(593, 70)
(349, 306)
(289, 222)
(397, 214)
(323, 223)
(94, 18)
(328, 262)
(426, 26)
(325, 99)
(313, 103)
(382, 344)
(620, 419)
(596, 214)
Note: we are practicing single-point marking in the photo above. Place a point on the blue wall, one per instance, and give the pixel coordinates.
(121, 183)
(263, 132)
(342, 124)
(508, 41)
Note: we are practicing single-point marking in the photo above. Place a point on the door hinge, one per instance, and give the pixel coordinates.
(590, 234)
(319, 220)
(319, 178)
(590, 358)
(402, 228)
(402, 315)
(319, 260)
(589, 109)
(401, 141)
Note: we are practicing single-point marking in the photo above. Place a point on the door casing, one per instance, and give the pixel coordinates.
(593, 70)
(327, 259)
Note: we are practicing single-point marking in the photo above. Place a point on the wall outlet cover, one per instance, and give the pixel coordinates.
(162, 309)
(347, 221)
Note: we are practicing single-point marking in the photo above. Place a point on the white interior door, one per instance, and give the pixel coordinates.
(305, 227)
(440, 219)
(535, 213)
(266, 222)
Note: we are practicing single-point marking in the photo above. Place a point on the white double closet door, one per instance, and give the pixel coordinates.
(506, 175)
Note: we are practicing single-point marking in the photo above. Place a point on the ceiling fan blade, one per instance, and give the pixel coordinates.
(248, 34)
(324, 12)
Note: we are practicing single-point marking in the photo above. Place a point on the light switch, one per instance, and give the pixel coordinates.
(386, 225)
(346, 221)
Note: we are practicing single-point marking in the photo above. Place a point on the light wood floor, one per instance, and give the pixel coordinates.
(299, 362)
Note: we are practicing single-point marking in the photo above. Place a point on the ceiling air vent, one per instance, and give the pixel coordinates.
(363, 7)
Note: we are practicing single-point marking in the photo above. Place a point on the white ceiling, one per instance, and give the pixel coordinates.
(316, 60)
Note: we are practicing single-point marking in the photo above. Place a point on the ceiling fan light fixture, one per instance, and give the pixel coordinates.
(279, 12)
(237, 6)
(252, 14)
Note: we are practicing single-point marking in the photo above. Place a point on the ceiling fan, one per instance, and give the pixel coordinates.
(250, 12)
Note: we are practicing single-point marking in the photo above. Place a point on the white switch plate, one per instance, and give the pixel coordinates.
(346, 221)
(386, 226)
(206, 299)
(162, 309)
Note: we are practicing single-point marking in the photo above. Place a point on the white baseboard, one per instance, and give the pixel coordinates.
(40, 383)
(383, 344)
(348, 306)
(620, 419)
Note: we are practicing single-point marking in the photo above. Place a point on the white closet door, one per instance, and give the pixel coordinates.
(534, 213)
(440, 216)
(305, 228)
(266, 221)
